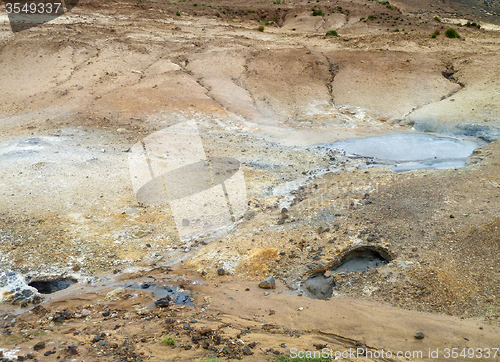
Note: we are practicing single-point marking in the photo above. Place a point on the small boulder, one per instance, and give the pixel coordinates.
(419, 335)
(163, 302)
(39, 346)
(247, 351)
(268, 283)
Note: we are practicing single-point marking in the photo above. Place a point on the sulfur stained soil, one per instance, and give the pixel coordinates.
(78, 92)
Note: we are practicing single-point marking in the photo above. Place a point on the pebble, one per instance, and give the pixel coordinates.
(268, 283)
(247, 351)
(266, 294)
(48, 353)
(163, 302)
(221, 271)
(419, 335)
(39, 346)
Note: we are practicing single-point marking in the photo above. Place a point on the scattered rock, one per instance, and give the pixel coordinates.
(221, 271)
(163, 302)
(327, 274)
(319, 346)
(205, 331)
(39, 346)
(247, 351)
(322, 229)
(419, 335)
(48, 353)
(268, 283)
(115, 293)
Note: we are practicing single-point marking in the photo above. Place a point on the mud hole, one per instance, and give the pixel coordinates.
(52, 286)
(357, 260)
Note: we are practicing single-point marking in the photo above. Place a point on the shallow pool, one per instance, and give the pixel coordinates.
(410, 151)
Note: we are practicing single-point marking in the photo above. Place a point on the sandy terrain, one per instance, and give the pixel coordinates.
(78, 93)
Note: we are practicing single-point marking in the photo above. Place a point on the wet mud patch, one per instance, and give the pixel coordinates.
(320, 284)
(174, 294)
(410, 151)
(52, 286)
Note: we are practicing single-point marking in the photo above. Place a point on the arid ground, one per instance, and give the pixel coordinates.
(77, 93)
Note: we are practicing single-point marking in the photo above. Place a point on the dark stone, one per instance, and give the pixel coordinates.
(221, 271)
(247, 351)
(419, 335)
(187, 326)
(48, 353)
(96, 339)
(39, 346)
(106, 313)
(268, 283)
(102, 343)
(163, 302)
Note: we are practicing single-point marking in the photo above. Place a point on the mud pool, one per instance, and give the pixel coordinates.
(410, 151)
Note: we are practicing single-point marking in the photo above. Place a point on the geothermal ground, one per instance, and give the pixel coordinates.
(363, 256)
